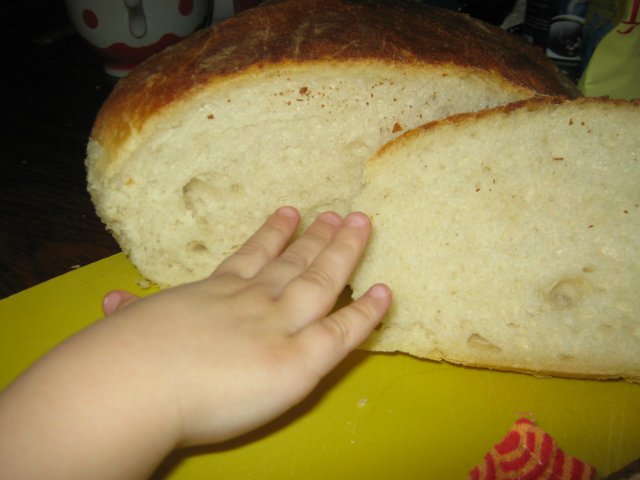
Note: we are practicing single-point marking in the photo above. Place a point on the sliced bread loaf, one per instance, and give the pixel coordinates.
(511, 238)
(282, 105)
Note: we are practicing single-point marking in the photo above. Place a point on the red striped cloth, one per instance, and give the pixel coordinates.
(529, 453)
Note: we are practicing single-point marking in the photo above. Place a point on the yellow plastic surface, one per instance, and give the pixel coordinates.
(377, 416)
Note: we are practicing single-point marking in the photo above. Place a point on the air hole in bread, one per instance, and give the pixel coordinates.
(566, 358)
(203, 192)
(567, 293)
(476, 340)
(358, 149)
(197, 247)
(332, 204)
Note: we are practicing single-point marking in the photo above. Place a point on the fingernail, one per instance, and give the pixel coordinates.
(357, 219)
(330, 217)
(287, 211)
(379, 291)
(110, 302)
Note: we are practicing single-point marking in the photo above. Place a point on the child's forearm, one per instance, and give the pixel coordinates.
(184, 366)
(87, 406)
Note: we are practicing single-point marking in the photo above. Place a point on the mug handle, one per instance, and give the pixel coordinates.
(137, 18)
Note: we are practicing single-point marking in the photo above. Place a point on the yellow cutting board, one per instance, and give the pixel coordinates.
(377, 416)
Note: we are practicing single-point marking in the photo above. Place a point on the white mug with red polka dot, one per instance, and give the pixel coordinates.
(125, 32)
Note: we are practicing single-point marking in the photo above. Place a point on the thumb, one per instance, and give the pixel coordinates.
(117, 299)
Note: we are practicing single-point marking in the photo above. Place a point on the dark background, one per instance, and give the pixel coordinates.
(52, 88)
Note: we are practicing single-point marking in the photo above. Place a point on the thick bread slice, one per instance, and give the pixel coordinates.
(283, 104)
(511, 238)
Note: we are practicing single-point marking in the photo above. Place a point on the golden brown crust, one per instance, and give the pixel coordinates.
(543, 373)
(540, 373)
(530, 104)
(301, 31)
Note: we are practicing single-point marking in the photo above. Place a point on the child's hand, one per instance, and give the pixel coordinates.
(194, 364)
(246, 344)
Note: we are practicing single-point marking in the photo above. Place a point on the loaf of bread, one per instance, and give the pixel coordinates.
(283, 104)
(511, 238)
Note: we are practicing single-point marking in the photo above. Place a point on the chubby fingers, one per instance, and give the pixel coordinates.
(263, 246)
(299, 255)
(313, 292)
(326, 342)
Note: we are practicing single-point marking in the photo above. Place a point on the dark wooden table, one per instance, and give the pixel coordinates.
(52, 88)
